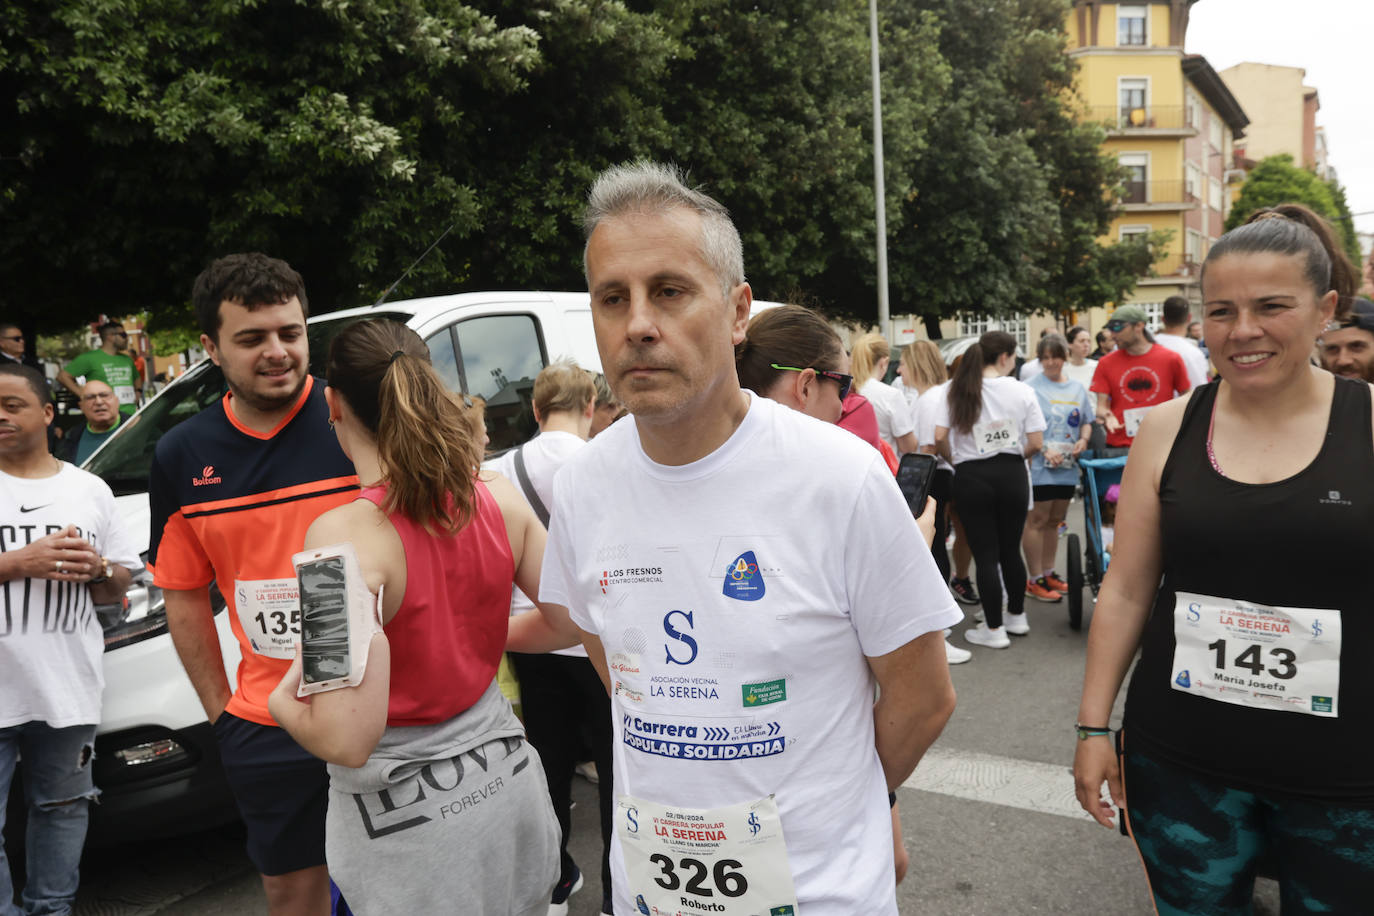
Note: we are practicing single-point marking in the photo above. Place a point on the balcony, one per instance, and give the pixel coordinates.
(1147, 120)
(1139, 196)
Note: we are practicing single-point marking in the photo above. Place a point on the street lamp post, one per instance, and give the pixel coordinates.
(879, 188)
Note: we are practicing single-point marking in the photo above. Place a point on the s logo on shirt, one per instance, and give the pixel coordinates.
(674, 633)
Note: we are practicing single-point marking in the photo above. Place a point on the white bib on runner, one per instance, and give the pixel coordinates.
(1256, 655)
(1133, 418)
(269, 611)
(687, 861)
(995, 435)
(125, 394)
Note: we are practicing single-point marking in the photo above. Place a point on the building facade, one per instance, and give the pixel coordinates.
(1171, 122)
(1283, 115)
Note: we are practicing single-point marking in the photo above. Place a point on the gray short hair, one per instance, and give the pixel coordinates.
(1052, 345)
(653, 187)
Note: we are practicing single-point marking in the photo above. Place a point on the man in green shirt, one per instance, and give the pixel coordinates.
(102, 418)
(108, 365)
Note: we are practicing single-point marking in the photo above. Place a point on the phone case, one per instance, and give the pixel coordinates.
(913, 479)
(339, 617)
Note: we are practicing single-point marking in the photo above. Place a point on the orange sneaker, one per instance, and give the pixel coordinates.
(1056, 583)
(1035, 588)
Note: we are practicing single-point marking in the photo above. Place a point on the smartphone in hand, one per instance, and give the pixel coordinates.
(914, 475)
(338, 618)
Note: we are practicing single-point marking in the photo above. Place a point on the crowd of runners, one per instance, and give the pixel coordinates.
(710, 585)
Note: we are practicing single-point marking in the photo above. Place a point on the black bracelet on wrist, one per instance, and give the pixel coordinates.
(1090, 731)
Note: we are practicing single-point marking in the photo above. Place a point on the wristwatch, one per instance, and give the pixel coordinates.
(105, 572)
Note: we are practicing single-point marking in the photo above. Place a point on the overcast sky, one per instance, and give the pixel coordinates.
(1333, 41)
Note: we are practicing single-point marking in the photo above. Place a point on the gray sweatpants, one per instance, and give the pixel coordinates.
(450, 818)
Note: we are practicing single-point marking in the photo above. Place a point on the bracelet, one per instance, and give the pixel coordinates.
(1090, 731)
(104, 573)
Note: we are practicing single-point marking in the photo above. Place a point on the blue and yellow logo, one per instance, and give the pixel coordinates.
(743, 581)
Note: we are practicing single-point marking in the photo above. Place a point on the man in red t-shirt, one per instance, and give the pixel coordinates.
(1134, 377)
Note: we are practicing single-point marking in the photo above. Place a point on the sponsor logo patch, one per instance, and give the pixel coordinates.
(743, 580)
(764, 692)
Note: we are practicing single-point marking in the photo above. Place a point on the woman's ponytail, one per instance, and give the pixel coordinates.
(966, 388)
(426, 446)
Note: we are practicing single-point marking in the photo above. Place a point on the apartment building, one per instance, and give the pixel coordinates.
(1283, 115)
(1171, 121)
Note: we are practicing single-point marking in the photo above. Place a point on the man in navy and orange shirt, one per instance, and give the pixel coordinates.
(232, 492)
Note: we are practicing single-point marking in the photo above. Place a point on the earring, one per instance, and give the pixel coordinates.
(331, 422)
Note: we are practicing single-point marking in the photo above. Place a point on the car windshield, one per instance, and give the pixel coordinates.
(124, 460)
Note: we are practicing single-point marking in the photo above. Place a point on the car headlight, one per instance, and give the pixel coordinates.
(143, 614)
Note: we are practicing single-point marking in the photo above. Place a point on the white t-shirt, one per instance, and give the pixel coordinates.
(1193, 360)
(51, 642)
(927, 406)
(904, 389)
(1010, 412)
(544, 455)
(890, 408)
(1083, 374)
(745, 576)
(1029, 369)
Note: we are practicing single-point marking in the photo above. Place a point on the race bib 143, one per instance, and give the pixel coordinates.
(1280, 658)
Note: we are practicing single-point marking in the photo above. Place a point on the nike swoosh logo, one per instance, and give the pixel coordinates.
(33, 508)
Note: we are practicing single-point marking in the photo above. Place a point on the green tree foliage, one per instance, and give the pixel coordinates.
(1344, 221)
(1009, 201)
(150, 137)
(347, 136)
(1276, 180)
(766, 105)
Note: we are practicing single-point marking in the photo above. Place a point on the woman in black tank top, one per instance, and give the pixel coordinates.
(1242, 538)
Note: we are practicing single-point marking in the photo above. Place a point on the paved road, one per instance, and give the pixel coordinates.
(989, 816)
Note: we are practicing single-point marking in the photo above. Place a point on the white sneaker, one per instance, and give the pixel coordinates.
(1016, 624)
(981, 635)
(954, 655)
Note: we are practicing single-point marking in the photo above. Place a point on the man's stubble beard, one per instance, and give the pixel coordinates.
(267, 405)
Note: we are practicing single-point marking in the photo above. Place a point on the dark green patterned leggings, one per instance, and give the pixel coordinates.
(1202, 844)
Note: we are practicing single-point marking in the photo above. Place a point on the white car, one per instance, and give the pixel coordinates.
(157, 763)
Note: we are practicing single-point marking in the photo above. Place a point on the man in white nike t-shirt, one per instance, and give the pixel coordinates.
(745, 577)
(63, 549)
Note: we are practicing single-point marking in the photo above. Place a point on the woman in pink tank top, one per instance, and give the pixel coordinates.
(428, 765)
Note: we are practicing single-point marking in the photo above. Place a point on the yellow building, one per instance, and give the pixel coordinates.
(1171, 122)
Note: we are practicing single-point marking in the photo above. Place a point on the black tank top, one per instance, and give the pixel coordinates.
(1305, 542)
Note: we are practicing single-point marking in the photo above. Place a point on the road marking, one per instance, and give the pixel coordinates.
(1026, 784)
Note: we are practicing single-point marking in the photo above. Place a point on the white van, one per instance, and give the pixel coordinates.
(157, 763)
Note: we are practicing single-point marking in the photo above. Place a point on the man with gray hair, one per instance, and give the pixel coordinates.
(740, 607)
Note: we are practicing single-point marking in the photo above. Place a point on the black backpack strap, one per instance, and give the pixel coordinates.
(532, 497)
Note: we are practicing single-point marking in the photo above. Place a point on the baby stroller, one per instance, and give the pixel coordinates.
(1099, 475)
